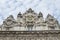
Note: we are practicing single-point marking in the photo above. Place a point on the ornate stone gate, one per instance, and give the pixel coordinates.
(30, 26)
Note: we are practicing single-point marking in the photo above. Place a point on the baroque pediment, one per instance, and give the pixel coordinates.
(30, 18)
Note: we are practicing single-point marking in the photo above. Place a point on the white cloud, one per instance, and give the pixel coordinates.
(8, 7)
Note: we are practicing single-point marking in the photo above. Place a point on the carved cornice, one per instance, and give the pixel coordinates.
(31, 32)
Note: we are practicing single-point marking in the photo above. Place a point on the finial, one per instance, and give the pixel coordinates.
(30, 10)
(40, 15)
(19, 15)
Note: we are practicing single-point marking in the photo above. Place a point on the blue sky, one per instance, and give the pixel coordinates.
(8, 7)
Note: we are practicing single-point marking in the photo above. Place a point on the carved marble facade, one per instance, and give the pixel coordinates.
(30, 26)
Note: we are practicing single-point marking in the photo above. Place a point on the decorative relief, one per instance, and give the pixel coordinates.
(28, 19)
(31, 18)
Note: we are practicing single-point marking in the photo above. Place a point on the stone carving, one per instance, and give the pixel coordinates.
(30, 10)
(51, 21)
(19, 15)
(9, 21)
(30, 26)
(40, 15)
(31, 19)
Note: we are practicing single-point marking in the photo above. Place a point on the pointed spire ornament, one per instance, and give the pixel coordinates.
(30, 10)
(19, 15)
(40, 15)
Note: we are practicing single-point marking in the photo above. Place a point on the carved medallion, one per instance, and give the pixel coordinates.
(9, 22)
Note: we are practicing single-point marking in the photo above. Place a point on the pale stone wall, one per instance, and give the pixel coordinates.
(34, 38)
(30, 37)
